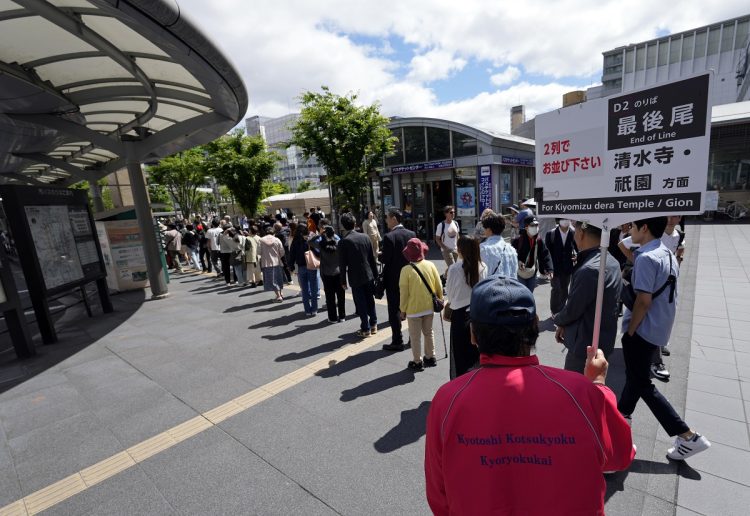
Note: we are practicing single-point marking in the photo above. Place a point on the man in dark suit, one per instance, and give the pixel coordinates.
(561, 245)
(356, 258)
(393, 260)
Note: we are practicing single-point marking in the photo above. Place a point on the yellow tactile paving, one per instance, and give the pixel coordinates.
(189, 428)
(111, 466)
(107, 468)
(15, 509)
(54, 494)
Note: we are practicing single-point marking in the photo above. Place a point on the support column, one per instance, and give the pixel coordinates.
(146, 227)
(96, 193)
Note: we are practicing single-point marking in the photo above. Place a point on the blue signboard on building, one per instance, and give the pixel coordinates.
(418, 167)
(523, 162)
(485, 187)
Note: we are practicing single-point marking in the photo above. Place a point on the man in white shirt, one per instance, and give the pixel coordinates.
(213, 235)
(446, 236)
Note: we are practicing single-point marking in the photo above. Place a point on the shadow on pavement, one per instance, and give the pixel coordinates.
(269, 303)
(298, 330)
(75, 332)
(409, 429)
(352, 363)
(278, 322)
(326, 347)
(616, 481)
(378, 385)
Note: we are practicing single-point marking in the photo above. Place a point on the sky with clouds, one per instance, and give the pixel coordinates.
(467, 61)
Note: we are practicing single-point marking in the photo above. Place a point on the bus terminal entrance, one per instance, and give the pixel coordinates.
(424, 201)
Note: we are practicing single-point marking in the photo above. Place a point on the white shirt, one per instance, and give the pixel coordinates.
(671, 241)
(213, 235)
(450, 238)
(628, 243)
(458, 291)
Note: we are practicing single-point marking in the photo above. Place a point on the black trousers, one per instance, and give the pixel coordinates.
(335, 300)
(638, 354)
(227, 268)
(205, 257)
(560, 284)
(215, 258)
(393, 296)
(464, 355)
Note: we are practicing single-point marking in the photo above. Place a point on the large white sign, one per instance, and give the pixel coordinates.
(638, 155)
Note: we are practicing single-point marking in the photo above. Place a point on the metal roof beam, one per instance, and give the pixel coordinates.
(79, 29)
(86, 55)
(110, 93)
(186, 128)
(81, 174)
(72, 129)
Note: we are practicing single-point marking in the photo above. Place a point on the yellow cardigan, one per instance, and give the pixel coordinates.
(414, 295)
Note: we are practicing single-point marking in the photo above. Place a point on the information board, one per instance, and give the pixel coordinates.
(644, 152)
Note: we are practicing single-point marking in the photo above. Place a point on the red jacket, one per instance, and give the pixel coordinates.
(514, 437)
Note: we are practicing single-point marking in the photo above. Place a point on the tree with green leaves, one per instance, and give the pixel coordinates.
(347, 139)
(242, 163)
(304, 186)
(107, 201)
(182, 174)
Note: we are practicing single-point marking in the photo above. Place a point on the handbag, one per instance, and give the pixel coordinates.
(447, 312)
(437, 303)
(528, 272)
(311, 261)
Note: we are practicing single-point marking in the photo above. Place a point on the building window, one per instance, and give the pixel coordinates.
(650, 56)
(397, 156)
(464, 145)
(663, 48)
(727, 37)
(742, 30)
(687, 47)
(630, 60)
(414, 147)
(674, 50)
(700, 44)
(640, 58)
(438, 144)
(729, 163)
(713, 40)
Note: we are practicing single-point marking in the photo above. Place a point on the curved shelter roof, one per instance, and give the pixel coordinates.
(85, 83)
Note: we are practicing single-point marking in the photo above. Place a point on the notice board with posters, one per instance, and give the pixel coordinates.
(644, 152)
(57, 244)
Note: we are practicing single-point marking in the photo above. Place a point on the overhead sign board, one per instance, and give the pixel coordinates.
(419, 167)
(643, 153)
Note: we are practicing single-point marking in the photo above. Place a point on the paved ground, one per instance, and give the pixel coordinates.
(217, 401)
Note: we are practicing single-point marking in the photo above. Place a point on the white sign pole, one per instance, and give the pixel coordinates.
(604, 246)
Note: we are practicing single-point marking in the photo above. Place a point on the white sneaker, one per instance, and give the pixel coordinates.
(686, 448)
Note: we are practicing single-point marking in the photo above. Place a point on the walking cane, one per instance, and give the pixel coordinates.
(442, 327)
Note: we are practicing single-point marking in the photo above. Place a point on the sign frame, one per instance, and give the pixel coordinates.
(16, 200)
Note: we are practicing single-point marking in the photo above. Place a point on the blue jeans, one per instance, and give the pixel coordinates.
(195, 257)
(308, 283)
(529, 283)
(364, 301)
(239, 272)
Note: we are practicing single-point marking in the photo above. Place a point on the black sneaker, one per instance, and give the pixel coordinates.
(660, 371)
(362, 333)
(415, 366)
(429, 361)
(665, 351)
(394, 346)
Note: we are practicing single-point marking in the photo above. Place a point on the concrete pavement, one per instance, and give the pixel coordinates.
(218, 401)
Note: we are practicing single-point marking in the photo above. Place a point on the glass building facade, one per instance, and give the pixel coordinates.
(437, 163)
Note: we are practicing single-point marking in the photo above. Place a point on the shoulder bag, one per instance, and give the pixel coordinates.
(437, 303)
(311, 261)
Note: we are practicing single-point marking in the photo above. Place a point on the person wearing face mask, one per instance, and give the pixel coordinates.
(562, 248)
(533, 255)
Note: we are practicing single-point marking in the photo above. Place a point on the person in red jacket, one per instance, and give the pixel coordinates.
(516, 437)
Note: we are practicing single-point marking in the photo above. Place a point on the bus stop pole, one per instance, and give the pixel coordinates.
(604, 246)
(145, 217)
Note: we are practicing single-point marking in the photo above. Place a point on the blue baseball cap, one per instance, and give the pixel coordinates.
(502, 301)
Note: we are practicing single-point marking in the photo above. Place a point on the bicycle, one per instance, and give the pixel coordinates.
(736, 210)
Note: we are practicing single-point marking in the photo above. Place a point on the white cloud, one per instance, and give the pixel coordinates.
(434, 65)
(507, 76)
(285, 47)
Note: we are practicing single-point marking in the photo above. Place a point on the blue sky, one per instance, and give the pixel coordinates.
(467, 62)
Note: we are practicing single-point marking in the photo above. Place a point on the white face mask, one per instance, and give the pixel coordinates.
(532, 230)
(564, 223)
